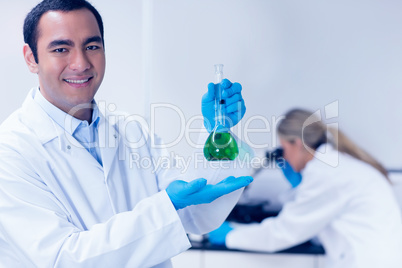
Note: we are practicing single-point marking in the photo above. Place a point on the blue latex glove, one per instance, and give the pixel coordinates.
(293, 177)
(218, 236)
(234, 104)
(183, 194)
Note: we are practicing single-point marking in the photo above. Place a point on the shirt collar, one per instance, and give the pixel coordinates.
(95, 115)
(63, 119)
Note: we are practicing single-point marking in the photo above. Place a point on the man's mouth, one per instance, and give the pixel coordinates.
(81, 81)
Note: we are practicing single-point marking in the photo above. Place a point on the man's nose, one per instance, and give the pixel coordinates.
(79, 61)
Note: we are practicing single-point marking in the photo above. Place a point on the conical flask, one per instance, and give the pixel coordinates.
(221, 144)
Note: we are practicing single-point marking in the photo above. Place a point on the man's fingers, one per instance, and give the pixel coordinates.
(230, 91)
(235, 107)
(194, 186)
(233, 99)
(225, 84)
(208, 193)
(228, 185)
(210, 95)
(231, 183)
(227, 180)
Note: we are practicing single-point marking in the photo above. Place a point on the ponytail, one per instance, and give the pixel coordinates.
(340, 141)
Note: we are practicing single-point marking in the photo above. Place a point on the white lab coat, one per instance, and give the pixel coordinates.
(60, 208)
(351, 208)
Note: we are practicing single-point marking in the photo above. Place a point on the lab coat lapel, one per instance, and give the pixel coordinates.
(71, 146)
(46, 130)
(108, 143)
(37, 120)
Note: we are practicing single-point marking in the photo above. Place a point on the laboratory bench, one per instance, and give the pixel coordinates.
(203, 254)
(305, 248)
(251, 214)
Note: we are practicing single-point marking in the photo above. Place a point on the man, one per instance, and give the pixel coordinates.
(69, 196)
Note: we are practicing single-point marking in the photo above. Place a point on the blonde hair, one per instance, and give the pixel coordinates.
(303, 124)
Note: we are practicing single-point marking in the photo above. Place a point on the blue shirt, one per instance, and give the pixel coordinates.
(86, 134)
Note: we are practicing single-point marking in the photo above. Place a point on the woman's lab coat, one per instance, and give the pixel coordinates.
(60, 208)
(350, 207)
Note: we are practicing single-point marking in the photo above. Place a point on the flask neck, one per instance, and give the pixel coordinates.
(221, 128)
(220, 112)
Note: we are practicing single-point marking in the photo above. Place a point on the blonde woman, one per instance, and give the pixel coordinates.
(349, 205)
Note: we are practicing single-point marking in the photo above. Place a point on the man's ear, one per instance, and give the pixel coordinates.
(30, 59)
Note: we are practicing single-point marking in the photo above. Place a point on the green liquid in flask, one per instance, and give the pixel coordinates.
(220, 146)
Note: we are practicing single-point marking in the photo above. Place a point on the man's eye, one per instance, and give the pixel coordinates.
(60, 50)
(92, 47)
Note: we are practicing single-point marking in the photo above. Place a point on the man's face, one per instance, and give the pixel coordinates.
(71, 57)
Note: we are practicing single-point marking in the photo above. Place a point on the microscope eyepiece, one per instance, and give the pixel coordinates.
(274, 155)
(270, 158)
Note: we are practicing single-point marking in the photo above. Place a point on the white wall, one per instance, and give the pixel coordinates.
(285, 53)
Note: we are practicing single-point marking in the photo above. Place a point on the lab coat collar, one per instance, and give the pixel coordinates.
(63, 119)
(59, 116)
(36, 119)
(46, 129)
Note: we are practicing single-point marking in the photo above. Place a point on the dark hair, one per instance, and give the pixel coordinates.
(31, 22)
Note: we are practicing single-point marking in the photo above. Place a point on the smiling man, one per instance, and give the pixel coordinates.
(70, 199)
(72, 59)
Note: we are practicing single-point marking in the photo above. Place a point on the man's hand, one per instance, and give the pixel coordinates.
(234, 104)
(183, 194)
